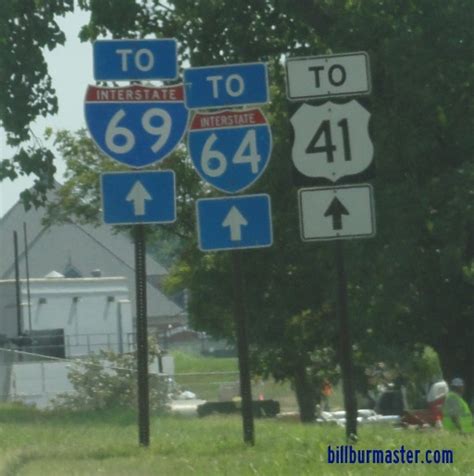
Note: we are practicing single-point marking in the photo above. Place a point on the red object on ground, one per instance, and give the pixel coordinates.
(427, 416)
(436, 407)
(419, 417)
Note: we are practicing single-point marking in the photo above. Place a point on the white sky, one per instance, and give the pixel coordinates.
(70, 67)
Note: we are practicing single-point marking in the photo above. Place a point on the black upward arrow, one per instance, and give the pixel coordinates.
(336, 209)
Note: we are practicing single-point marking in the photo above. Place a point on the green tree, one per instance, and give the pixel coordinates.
(26, 92)
(209, 276)
(422, 103)
(78, 198)
(412, 284)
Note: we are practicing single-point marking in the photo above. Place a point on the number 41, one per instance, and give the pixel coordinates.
(329, 148)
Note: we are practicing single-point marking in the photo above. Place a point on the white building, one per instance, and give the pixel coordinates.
(81, 250)
(67, 318)
(71, 316)
(85, 305)
(60, 319)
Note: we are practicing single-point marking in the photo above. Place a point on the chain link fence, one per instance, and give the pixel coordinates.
(225, 386)
(35, 378)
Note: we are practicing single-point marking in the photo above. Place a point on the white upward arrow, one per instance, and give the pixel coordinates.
(138, 195)
(234, 220)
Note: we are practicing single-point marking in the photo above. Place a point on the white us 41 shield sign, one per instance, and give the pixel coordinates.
(332, 140)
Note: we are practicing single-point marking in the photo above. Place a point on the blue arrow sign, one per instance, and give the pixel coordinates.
(226, 85)
(138, 197)
(129, 60)
(136, 125)
(230, 149)
(234, 222)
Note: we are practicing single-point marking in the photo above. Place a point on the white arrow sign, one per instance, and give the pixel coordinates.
(332, 140)
(332, 213)
(234, 220)
(138, 195)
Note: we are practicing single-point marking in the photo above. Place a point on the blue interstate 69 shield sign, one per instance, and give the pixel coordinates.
(136, 125)
(230, 149)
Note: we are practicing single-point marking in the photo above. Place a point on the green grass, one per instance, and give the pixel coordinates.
(205, 380)
(34, 443)
(191, 363)
(209, 374)
(206, 375)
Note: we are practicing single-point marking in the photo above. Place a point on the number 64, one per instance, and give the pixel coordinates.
(214, 162)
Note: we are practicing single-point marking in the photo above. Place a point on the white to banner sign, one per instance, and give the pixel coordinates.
(326, 76)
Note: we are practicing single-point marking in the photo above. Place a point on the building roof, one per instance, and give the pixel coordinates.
(83, 248)
(117, 244)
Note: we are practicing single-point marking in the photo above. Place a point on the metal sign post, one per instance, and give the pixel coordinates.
(332, 142)
(17, 287)
(241, 326)
(230, 150)
(142, 337)
(350, 402)
(137, 126)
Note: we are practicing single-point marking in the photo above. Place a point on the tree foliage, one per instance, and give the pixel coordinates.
(78, 198)
(412, 284)
(26, 92)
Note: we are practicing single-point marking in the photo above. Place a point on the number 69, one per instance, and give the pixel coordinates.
(114, 131)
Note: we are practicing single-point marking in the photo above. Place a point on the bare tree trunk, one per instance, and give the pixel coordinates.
(305, 395)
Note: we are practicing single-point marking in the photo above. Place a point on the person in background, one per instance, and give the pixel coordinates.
(456, 412)
(326, 392)
(436, 398)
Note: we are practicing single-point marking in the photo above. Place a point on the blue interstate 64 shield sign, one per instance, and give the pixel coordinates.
(230, 149)
(136, 125)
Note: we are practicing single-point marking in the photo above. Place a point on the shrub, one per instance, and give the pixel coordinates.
(108, 380)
